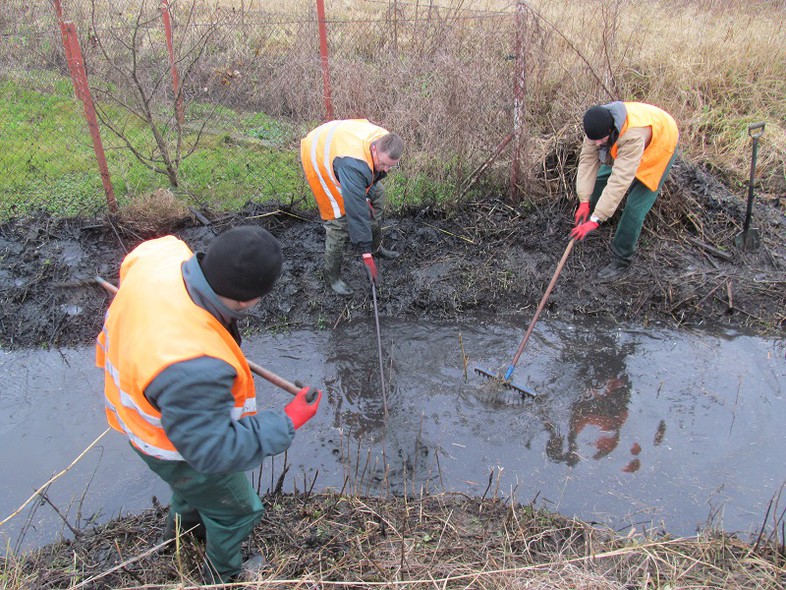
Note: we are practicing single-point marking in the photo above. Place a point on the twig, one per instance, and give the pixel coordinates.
(53, 478)
(46, 499)
(444, 231)
(710, 249)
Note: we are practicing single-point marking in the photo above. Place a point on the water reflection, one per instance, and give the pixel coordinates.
(629, 424)
(598, 368)
(383, 430)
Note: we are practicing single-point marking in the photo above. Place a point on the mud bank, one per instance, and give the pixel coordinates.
(482, 257)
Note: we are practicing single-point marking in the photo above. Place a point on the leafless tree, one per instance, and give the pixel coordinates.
(136, 78)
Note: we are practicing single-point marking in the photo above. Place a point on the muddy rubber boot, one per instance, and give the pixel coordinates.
(333, 273)
(253, 568)
(614, 269)
(190, 524)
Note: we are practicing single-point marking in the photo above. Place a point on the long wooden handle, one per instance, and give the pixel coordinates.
(543, 300)
(274, 379)
(261, 371)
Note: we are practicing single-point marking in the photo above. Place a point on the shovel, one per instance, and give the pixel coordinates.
(749, 238)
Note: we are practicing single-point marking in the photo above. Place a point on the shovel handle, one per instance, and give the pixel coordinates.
(292, 388)
(755, 127)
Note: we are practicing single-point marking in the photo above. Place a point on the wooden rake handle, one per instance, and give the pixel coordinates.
(292, 388)
(542, 303)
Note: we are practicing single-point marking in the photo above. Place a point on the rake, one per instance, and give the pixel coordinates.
(505, 381)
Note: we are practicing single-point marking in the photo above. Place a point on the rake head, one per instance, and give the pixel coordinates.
(505, 382)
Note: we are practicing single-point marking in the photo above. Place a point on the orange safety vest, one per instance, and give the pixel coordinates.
(348, 138)
(151, 324)
(662, 145)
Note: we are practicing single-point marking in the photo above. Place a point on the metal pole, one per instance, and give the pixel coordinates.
(323, 53)
(519, 92)
(83, 92)
(166, 16)
(379, 349)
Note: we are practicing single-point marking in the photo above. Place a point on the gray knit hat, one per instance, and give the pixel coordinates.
(243, 263)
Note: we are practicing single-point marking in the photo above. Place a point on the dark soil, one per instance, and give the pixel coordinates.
(477, 258)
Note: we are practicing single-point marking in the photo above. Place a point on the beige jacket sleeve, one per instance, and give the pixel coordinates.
(588, 170)
(630, 148)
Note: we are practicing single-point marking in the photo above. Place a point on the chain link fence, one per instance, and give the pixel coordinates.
(219, 116)
(212, 104)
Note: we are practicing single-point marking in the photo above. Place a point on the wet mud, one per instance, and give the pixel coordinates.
(478, 258)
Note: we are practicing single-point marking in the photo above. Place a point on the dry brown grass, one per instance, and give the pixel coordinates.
(441, 74)
(443, 541)
(153, 213)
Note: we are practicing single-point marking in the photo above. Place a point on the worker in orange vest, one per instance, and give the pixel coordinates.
(344, 162)
(629, 147)
(177, 384)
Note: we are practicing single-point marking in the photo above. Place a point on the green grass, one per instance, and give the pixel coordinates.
(49, 164)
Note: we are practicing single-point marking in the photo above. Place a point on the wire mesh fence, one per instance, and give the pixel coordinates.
(218, 115)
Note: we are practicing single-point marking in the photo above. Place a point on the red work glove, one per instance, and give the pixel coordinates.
(582, 213)
(580, 231)
(300, 410)
(371, 266)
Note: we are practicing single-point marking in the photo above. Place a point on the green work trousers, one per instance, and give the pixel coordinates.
(226, 504)
(337, 236)
(639, 202)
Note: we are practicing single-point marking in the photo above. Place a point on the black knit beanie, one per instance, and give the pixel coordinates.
(598, 122)
(243, 263)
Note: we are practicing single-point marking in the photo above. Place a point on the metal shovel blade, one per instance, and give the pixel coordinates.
(748, 240)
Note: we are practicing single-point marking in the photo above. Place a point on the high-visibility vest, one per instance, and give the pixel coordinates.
(658, 153)
(331, 140)
(151, 324)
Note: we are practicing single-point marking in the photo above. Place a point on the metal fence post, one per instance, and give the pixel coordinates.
(166, 16)
(77, 66)
(519, 95)
(67, 48)
(323, 52)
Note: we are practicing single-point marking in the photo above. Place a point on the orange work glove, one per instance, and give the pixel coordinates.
(300, 410)
(582, 213)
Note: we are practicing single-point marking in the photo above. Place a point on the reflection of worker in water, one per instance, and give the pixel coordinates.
(597, 417)
(360, 407)
(596, 420)
(602, 412)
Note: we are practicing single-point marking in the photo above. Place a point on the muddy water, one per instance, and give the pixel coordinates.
(631, 427)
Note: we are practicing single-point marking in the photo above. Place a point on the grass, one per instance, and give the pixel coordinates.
(428, 541)
(55, 167)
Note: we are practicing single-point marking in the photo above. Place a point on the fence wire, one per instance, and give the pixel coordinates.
(251, 84)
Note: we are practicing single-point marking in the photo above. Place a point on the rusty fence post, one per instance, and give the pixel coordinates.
(167, 18)
(77, 67)
(323, 53)
(519, 96)
(67, 49)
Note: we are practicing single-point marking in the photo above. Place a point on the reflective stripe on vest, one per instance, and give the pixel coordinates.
(152, 324)
(331, 140)
(663, 143)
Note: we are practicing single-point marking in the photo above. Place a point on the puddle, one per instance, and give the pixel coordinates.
(630, 427)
